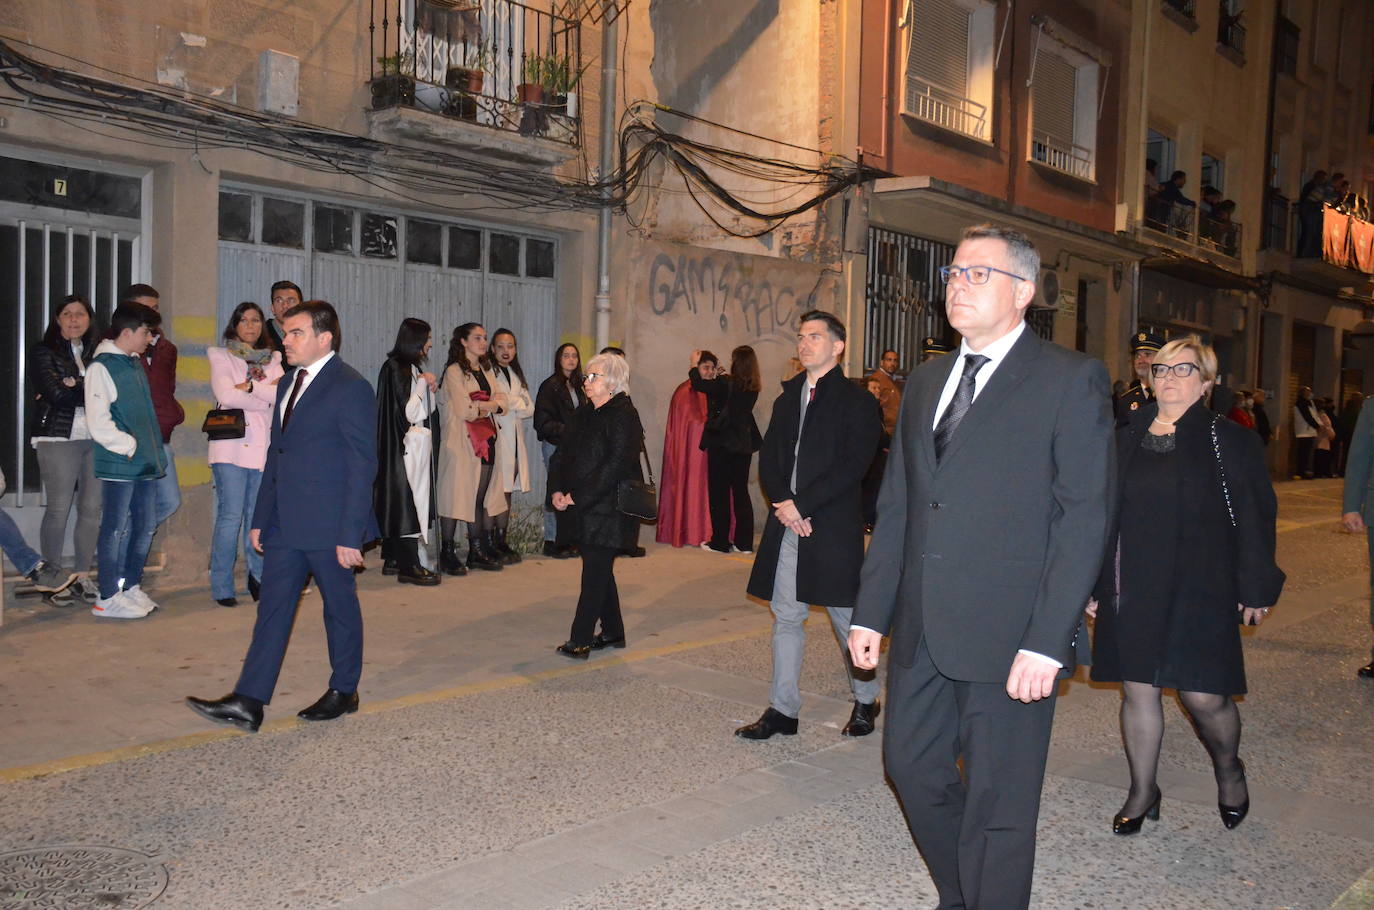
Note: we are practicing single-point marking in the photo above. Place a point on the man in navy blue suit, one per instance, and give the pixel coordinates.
(313, 516)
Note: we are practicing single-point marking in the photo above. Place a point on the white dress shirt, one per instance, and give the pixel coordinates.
(310, 373)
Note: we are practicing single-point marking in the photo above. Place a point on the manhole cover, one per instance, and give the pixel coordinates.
(79, 878)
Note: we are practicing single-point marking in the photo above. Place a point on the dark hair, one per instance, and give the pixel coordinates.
(832, 322)
(458, 354)
(575, 379)
(130, 316)
(231, 331)
(707, 355)
(744, 369)
(892, 351)
(1177, 174)
(52, 336)
(322, 319)
(140, 290)
(410, 341)
(286, 286)
(1151, 164)
(612, 349)
(514, 361)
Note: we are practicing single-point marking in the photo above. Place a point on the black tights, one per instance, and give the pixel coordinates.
(1217, 722)
(481, 522)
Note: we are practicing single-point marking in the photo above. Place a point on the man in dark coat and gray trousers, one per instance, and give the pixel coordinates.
(820, 442)
(991, 526)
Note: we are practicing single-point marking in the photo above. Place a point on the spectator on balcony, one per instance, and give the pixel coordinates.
(1310, 202)
(1211, 198)
(1220, 229)
(1335, 191)
(1178, 207)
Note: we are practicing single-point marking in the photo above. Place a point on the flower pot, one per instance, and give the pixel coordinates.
(464, 79)
(572, 104)
(529, 93)
(392, 90)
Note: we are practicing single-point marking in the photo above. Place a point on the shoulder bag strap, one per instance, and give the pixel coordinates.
(1221, 469)
(648, 466)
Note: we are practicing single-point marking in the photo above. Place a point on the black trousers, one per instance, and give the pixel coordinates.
(599, 600)
(977, 835)
(727, 482)
(1307, 448)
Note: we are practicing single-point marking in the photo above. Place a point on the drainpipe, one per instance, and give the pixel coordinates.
(606, 165)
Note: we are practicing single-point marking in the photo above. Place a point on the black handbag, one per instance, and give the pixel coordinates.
(638, 498)
(224, 423)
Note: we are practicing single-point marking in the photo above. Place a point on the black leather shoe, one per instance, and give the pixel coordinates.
(600, 641)
(449, 563)
(1125, 825)
(576, 652)
(479, 557)
(389, 567)
(635, 552)
(861, 719)
(254, 588)
(496, 543)
(418, 575)
(227, 601)
(771, 722)
(1367, 671)
(551, 549)
(233, 709)
(332, 704)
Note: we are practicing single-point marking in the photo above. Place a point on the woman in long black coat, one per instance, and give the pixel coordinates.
(1194, 557)
(405, 421)
(558, 397)
(600, 448)
(730, 439)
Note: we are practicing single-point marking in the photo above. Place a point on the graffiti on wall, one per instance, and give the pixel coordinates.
(744, 300)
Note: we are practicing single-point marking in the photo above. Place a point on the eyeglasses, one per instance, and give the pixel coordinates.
(1181, 370)
(974, 274)
(588, 377)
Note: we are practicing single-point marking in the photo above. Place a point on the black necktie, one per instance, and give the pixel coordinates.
(959, 404)
(295, 393)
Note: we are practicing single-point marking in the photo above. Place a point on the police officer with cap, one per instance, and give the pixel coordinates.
(933, 347)
(1144, 346)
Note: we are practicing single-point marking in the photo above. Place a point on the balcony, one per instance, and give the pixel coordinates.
(946, 109)
(1190, 226)
(1230, 33)
(462, 72)
(1185, 7)
(1062, 156)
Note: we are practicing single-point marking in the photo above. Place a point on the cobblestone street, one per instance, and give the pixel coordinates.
(485, 772)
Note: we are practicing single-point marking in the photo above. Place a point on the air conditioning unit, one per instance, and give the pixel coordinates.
(1047, 290)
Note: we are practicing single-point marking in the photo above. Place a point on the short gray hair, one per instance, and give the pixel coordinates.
(614, 370)
(1021, 251)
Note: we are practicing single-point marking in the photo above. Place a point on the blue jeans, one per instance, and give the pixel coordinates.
(24, 557)
(132, 504)
(167, 500)
(236, 493)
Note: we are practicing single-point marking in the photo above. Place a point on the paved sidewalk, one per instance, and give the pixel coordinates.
(486, 772)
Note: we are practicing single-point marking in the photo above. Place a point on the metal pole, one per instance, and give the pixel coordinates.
(607, 164)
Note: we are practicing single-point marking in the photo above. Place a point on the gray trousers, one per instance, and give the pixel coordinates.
(68, 472)
(789, 638)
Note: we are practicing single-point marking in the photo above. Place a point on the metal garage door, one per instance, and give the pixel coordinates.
(378, 267)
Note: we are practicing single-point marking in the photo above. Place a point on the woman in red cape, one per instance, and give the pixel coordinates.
(684, 518)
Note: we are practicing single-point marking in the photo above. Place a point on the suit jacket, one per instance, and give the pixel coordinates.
(160, 363)
(838, 441)
(316, 491)
(273, 330)
(1359, 468)
(996, 547)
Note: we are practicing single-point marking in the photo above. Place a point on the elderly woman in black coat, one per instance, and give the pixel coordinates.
(600, 448)
(1194, 557)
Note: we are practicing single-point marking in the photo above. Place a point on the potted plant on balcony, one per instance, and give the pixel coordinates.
(560, 83)
(471, 74)
(396, 84)
(531, 91)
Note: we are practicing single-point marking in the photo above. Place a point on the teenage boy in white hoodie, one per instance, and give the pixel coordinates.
(129, 459)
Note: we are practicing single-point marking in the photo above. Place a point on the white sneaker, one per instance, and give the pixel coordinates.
(140, 599)
(118, 606)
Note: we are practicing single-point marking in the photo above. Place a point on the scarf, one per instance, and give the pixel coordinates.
(254, 356)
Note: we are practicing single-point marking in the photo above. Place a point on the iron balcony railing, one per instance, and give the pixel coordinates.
(1230, 33)
(499, 63)
(946, 108)
(1195, 227)
(1065, 157)
(1186, 7)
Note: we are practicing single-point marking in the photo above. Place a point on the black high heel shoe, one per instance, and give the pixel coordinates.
(1124, 824)
(1231, 816)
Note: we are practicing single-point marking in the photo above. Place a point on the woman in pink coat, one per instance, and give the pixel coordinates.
(243, 374)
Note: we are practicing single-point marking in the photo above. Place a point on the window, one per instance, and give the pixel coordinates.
(61, 187)
(424, 242)
(333, 229)
(504, 257)
(1286, 47)
(1064, 115)
(1213, 172)
(379, 236)
(236, 217)
(464, 248)
(949, 65)
(539, 258)
(283, 223)
(1230, 29)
